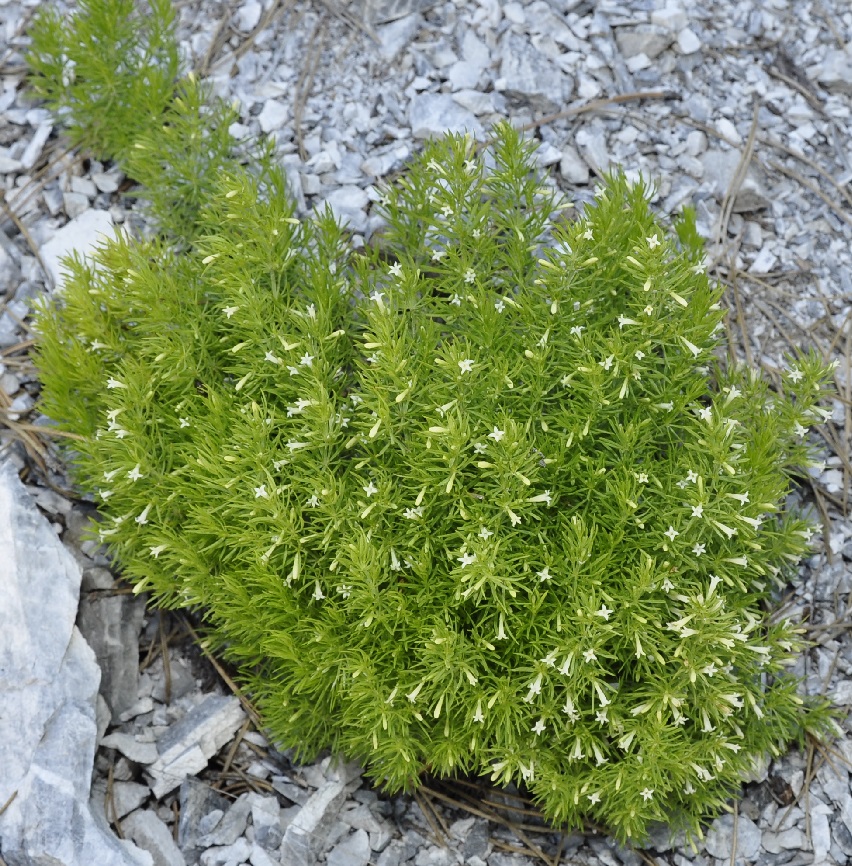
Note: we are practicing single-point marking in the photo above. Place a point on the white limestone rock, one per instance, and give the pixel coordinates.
(720, 166)
(835, 72)
(530, 77)
(434, 114)
(81, 235)
(306, 834)
(647, 39)
(720, 838)
(688, 42)
(49, 682)
(273, 116)
(187, 746)
(111, 625)
(149, 832)
(354, 850)
(670, 17)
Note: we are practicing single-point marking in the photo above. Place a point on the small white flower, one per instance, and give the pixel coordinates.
(700, 268)
(318, 593)
(480, 447)
(437, 255)
(229, 311)
(395, 270)
(484, 532)
(314, 501)
(534, 689)
(623, 320)
(377, 296)
(697, 510)
(668, 586)
(135, 474)
(698, 549)
(691, 476)
(544, 574)
(545, 497)
(306, 360)
(466, 365)
(653, 241)
(260, 492)
(500, 305)
(477, 234)
(709, 670)
(603, 612)
(642, 477)
(577, 330)
(549, 659)
(513, 517)
(496, 434)
(370, 489)
(671, 533)
(413, 513)
(647, 794)
(589, 655)
(184, 422)
(638, 354)
(142, 519)
(594, 798)
(455, 300)
(467, 559)
(795, 375)
(156, 551)
(477, 716)
(293, 371)
(539, 727)
(600, 716)
(345, 590)
(588, 235)
(607, 363)
(648, 310)
(470, 275)
(692, 347)
(114, 383)
(800, 431)
(706, 414)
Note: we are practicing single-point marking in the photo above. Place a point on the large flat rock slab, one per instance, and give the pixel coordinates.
(48, 691)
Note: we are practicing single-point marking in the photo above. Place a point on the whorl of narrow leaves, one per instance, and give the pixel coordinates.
(482, 503)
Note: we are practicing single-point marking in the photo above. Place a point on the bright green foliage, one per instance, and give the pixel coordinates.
(491, 508)
(112, 77)
(109, 72)
(482, 501)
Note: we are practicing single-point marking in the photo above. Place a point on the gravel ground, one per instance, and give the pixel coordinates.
(739, 108)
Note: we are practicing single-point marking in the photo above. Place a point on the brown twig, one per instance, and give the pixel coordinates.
(305, 82)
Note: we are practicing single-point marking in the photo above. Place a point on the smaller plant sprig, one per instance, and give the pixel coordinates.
(108, 72)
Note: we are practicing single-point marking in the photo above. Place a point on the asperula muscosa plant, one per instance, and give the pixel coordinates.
(485, 501)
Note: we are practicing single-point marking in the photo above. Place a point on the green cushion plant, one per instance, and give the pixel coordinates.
(483, 499)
